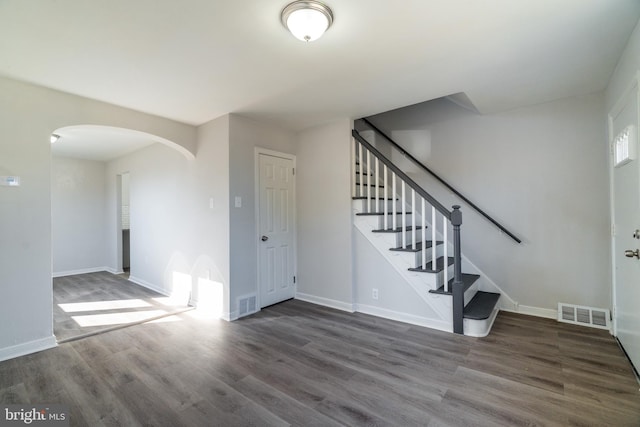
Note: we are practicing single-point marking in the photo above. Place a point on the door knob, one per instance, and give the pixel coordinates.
(265, 238)
(630, 254)
(636, 234)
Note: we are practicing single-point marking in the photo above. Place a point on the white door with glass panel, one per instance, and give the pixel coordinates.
(623, 126)
(276, 245)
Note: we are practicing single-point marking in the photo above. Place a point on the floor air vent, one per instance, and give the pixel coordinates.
(586, 316)
(247, 305)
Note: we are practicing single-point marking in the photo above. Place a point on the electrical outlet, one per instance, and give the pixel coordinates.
(374, 293)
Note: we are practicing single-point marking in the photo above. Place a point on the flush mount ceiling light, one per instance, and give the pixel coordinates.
(307, 20)
(54, 138)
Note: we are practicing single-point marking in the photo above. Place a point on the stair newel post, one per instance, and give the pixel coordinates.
(458, 285)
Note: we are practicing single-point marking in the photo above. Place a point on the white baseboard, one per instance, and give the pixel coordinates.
(148, 285)
(81, 271)
(27, 348)
(404, 317)
(331, 303)
(114, 271)
(534, 311)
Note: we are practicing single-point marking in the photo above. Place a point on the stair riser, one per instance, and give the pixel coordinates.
(439, 249)
(468, 296)
(399, 223)
(409, 234)
(376, 205)
(479, 328)
(413, 260)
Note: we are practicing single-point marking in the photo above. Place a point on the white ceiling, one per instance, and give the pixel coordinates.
(195, 60)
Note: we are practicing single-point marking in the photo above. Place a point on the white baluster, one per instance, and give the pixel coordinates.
(395, 204)
(423, 214)
(386, 197)
(354, 175)
(445, 228)
(413, 219)
(403, 202)
(359, 170)
(377, 183)
(433, 238)
(368, 171)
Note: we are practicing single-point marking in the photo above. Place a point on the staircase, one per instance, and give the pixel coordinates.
(420, 238)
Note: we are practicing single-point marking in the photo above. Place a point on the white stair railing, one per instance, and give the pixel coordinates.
(382, 196)
(417, 204)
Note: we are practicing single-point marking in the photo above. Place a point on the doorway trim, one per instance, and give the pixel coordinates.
(258, 151)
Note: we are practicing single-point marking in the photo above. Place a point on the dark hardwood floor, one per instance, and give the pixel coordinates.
(300, 364)
(94, 302)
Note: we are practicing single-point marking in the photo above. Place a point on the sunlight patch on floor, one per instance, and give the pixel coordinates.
(116, 318)
(103, 305)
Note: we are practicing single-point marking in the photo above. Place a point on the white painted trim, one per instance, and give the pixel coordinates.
(148, 285)
(114, 271)
(615, 110)
(28, 348)
(404, 317)
(547, 313)
(331, 303)
(80, 271)
(480, 328)
(257, 151)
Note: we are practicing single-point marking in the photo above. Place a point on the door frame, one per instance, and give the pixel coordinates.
(259, 151)
(632, 89)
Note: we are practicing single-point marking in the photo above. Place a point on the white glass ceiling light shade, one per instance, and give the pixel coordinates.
(307, 20)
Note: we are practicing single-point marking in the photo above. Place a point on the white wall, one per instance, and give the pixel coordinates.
(244, 135)
(626, 69)
(325, 264)
(210, 247)
(77, 215)
(372, 270)
(28, 116)
(542, 172)
(160, 211)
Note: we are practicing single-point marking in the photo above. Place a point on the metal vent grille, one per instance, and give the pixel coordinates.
(247, 305)
(586, 316)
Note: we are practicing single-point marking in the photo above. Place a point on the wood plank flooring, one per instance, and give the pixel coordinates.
(300, 364)
(99, 301)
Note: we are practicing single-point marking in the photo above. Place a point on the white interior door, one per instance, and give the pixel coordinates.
(626, 213)
(276, 251)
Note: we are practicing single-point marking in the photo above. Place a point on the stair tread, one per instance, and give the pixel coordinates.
(372, 198)
(481, 305)
(467, 279)
(367, 185)
(429, 269)
(418, 247)
(396, 230)
(379, 213)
